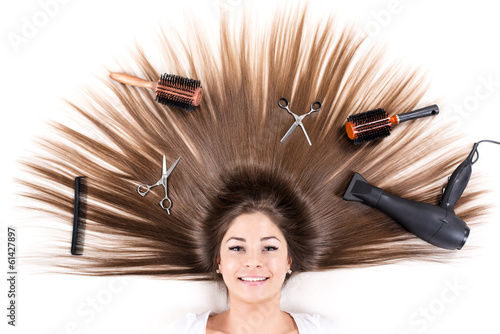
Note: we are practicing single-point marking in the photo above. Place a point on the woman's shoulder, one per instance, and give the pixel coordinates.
(191, 323)
(313, 323)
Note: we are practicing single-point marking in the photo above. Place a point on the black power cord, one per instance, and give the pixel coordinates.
(476, 152)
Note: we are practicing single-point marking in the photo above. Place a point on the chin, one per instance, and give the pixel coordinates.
(254, 294)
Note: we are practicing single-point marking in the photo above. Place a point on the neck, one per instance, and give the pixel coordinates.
(262, 317)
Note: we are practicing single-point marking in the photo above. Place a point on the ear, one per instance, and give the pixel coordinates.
(289, 262)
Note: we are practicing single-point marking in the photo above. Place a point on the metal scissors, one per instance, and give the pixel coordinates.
(298, 119)
(143, 189)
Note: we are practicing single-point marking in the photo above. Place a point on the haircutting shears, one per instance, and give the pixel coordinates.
(143, 189)
(298, 119)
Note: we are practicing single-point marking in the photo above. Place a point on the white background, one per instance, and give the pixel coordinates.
(455, 41)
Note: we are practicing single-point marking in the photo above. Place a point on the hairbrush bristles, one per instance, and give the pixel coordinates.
(171, 90)
(179, 92)
(368, 116)
(368, 125)
(377, 124)
(379, 133)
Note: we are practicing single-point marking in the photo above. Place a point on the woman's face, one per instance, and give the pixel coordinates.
(253, 259)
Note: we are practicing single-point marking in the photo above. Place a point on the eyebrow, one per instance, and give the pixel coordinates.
(245, 240)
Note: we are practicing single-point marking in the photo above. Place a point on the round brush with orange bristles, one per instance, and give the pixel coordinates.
(171, 90)
(376, 124)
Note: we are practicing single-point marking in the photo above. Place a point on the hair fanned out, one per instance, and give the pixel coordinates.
(236, 131)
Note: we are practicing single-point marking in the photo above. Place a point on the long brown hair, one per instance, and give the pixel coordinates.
(233, 161)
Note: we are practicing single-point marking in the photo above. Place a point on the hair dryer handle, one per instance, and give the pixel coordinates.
(458, 181)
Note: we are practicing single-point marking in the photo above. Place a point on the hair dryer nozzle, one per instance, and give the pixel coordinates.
(351, 194)
(434, 224)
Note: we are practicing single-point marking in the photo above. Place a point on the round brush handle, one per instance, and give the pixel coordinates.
(131, 80)
(419, 113)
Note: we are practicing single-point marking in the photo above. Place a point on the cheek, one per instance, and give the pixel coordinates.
(278, 263)
(229, 264)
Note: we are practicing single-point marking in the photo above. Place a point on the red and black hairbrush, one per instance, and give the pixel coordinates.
(376, 124)
(171, 90)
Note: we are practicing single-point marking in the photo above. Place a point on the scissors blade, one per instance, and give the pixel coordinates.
(173, 166)
(305, 132)
(293, 127)
(164, 168)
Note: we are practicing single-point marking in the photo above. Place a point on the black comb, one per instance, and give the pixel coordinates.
(79, 215)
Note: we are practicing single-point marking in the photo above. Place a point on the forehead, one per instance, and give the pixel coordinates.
(253, 226)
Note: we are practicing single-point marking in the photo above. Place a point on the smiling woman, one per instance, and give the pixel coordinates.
(254, 257)
(253, 266)
(248, 210)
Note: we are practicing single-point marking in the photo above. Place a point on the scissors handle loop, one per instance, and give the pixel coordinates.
(143, 189)
(166, 199)
(316, 109)
(284, 106)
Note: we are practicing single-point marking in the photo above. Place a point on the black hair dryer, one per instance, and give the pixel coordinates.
(436, 224)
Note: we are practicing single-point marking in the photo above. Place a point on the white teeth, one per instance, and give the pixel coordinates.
(253, 279)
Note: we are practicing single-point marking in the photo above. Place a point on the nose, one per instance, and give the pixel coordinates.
(253, 259)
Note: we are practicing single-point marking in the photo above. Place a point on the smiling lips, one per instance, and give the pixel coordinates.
(253, 280)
